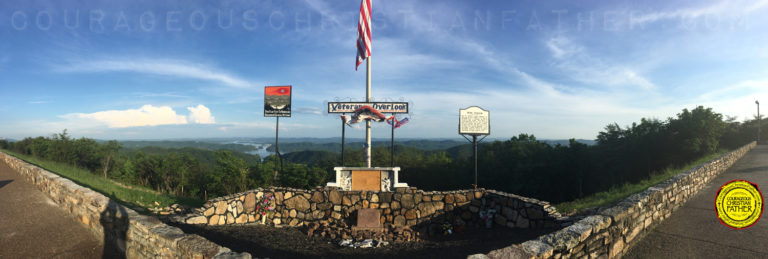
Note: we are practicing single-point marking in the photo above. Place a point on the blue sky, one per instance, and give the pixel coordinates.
(556, 69)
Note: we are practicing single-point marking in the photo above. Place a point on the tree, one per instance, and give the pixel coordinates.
(108, 150)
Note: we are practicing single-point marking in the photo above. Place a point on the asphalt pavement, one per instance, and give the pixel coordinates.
(33, 226)
(693, 231)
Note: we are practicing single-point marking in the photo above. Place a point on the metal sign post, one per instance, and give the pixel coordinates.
(392, 142)
(474, 121)
(277, 103)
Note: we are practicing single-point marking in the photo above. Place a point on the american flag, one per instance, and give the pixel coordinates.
(364, 32)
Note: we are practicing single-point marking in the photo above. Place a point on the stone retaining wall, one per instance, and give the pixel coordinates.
(406, 206)
(122, 229)
(612, 230)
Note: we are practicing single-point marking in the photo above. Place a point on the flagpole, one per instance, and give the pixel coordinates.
(368, 122)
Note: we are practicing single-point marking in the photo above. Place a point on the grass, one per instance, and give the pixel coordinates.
(618, 193)
(131, 195)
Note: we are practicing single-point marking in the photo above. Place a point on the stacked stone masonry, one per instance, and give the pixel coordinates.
(610, 232)
(406, 206)
(136, 235)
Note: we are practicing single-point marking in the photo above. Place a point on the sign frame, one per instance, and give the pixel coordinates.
(270, 111)
(354, 105)
(487, 114)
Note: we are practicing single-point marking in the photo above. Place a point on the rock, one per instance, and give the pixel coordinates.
(335, 197)
(318, 214)
(345, 201)
(276, 221)
(534, 213)
(375, 198)
(426, 198)
(437, 197)
(407, 201)
(241, 219)
(410, 214)
(395, 205)
(501, 220)
(460, 198)
(336, 207)
(324, 206)
(507, 212)
(426, 208)
(481, 256)
(300, 203)
(365, 204)
(317, 197)
(336, 215)
(287, 195)
(561, 240)
(292, 213)
(478, 195)
(208, 212)
(385, 197)
(521, 222)
(538, 249)
(221, 207)
(399, 221)
(222, 219)
(214, 220)
(230, 219)
(240, 207)
(513, 251)
(373, 205)
(197, 220)
(293, 222)
(354, 199)
(449, 198)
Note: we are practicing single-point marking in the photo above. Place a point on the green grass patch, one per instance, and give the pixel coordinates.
(618, 193)
(127, 194)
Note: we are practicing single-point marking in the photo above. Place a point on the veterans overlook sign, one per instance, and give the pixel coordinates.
(383, 107)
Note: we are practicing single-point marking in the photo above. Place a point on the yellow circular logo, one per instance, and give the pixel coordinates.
(739, 204)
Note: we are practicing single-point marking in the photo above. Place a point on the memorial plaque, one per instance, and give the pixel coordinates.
(368, 218)
(474, 121)
(366, 180)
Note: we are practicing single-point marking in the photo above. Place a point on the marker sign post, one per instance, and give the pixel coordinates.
(277, 103)
(474, 121)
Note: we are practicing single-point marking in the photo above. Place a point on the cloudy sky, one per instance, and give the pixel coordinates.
(556, 69)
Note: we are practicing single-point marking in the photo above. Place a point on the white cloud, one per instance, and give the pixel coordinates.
(581, 66)
(720, 8)
(147, 115)
(164, 67)
(201, 114)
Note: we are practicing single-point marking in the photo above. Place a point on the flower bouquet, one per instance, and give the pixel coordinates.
(265, 206)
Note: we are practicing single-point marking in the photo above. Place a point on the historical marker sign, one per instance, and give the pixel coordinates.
(383, 107)
(474, 121)
(277, 101)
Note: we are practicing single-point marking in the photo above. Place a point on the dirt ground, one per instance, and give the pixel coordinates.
(263, 241)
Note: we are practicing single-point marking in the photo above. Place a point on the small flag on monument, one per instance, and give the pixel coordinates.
(364, 32)
(397, 124)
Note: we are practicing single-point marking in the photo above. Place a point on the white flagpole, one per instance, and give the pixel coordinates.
(368, 122)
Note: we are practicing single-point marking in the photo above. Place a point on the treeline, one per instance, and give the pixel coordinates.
(186, 172)
(521, 165)
(526, 166)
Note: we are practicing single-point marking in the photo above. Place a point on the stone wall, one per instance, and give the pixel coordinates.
(405, 206)
(123, 230)
(612, 230)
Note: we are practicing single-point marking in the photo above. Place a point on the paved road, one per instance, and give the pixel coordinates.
(693, 231)
(33, 226)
